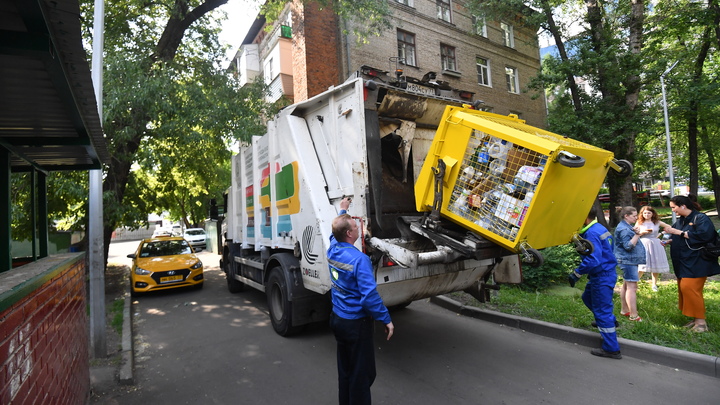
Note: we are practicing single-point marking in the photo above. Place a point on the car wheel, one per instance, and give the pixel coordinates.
(279, 305)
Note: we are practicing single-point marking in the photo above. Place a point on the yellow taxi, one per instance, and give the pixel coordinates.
(163, 263)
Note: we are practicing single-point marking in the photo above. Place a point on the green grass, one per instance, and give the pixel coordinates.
(116, 311)
(662, 320)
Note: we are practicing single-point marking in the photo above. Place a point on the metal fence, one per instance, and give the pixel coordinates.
(122, 234)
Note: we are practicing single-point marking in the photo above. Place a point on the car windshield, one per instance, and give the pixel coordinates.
(165, 248)
(194, 232)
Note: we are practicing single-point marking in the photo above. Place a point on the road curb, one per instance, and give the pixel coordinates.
(666, 356)
(125, 375)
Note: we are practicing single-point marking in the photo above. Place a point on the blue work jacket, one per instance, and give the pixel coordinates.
(354, 290)
(601, 260)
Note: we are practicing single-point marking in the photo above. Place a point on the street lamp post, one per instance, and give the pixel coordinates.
(667, 134)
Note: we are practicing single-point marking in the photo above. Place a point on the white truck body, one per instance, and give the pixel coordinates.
(361, 140)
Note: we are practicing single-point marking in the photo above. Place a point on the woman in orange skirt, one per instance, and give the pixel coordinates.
(689, 233)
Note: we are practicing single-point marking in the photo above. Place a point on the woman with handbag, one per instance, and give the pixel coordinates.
(690, 232)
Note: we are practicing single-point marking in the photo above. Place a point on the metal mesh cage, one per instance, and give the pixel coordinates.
(496, 184)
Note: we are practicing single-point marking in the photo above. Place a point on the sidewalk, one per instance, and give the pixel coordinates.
(675, 358)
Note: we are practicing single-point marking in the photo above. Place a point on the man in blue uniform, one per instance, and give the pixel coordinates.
(598, 294)
(356, 303)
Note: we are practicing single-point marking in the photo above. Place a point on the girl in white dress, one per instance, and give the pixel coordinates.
(649, 225)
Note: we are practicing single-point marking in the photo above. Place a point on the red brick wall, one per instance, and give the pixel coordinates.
(316, 67)
(44, 341)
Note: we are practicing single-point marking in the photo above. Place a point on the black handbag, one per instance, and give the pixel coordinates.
(711, 250)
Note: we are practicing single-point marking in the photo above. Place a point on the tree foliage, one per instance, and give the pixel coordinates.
(619, 49)
(67, 202)
(171, 111)
(689, 32)
(374, 14)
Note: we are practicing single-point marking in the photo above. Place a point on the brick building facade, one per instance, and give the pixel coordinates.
(493, 61)
(44, 355)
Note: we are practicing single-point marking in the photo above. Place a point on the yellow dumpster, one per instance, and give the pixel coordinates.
(520, 186)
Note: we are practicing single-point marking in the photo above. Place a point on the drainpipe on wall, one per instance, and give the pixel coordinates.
(347, 51)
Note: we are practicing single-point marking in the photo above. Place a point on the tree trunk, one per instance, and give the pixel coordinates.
(555, 31)
(707, 146)
(713, 5)
(693, 112)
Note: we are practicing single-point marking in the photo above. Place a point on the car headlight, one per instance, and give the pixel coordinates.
(196, 265)
(142, 272)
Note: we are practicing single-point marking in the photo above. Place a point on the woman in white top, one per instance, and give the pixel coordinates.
(649, 225)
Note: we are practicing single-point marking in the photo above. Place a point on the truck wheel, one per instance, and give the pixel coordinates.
(234, 286)
(279, 305)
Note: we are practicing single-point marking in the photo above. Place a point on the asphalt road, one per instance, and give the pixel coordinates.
(213, 347)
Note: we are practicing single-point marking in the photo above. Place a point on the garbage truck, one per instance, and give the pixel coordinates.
(375, 139)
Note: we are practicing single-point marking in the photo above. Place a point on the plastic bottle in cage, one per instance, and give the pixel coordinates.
(481, 157)
(460, 206)
(467, 177)
(497, 167)
(499, 148)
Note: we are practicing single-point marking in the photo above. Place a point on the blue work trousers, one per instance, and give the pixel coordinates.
(355, 359)
(598, 297)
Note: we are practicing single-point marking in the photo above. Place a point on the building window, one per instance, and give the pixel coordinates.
(406, 47)
(405, 2)
(447, 54)
(508, 37)
(483, 71)
(480, 26)
(511, 78)
(269, 71)
(443, 9)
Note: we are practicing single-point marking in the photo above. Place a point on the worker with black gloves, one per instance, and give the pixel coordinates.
(600, 268)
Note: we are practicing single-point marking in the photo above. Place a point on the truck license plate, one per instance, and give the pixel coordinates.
(170, 279)
(416, 88)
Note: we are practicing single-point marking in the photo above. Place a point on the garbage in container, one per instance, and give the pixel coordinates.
(520, 186)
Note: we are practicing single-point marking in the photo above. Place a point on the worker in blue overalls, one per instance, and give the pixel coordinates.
(598, 295)
(356, 303)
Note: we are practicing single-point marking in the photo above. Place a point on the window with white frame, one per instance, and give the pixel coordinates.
(406, 47)
(405, 2)
(508, 36)
(443, 9)
(447, 55)
(483, 71)
(511, 77)
(479, 25)
(269, 71)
